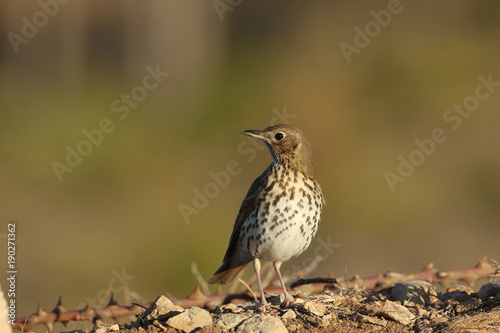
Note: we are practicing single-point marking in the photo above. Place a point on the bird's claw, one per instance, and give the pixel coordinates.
(288, 301)
(265, 305)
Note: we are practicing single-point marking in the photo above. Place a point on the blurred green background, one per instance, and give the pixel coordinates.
(233, 68)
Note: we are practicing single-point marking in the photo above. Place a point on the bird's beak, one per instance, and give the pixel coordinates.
(255, 134)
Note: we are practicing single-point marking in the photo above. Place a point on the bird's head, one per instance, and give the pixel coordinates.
(287, 144)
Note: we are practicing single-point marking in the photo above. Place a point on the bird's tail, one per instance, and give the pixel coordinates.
(225, 274)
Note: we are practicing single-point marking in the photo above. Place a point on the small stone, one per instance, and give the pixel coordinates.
(414, 292)
(290, 314)
(191, 319)
(161, 309)
(325, 320)
(488, 290)
(114, 328)
(397, 313)
(315, 308)
(101, 329)
(262, 324)
(231, 308)
(299, 300)
(230, 320)
(421, 312)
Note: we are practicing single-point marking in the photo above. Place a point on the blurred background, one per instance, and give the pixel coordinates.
(129, 204)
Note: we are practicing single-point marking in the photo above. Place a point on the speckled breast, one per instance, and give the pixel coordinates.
(286, 218)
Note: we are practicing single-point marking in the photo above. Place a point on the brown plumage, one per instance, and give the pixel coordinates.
(280, 213)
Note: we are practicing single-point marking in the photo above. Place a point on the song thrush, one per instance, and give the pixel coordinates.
(280, 213)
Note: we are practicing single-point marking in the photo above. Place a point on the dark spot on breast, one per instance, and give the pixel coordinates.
(270, 187)
(309, 187)
(277, 199)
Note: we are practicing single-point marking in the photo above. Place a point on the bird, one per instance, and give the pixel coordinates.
(281, 212)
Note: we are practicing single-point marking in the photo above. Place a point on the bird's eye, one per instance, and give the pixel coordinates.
(278, 136)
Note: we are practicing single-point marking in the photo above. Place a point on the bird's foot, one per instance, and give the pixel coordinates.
(289, 300)
(263, 305)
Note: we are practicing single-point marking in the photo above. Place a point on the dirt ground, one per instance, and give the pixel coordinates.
(457, 309)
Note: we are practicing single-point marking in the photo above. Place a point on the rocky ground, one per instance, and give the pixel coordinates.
(412, 306)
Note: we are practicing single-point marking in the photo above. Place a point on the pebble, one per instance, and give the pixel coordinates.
(262, 324)
(230, 320)
(231, 308)
(289, 314)
(397, 313)
(325, 320)
(488, 289)
(315, 308)
(162, 306)
(411, 293)
(191, 319)
(114, 328)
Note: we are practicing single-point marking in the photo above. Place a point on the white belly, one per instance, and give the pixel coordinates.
(285, 224)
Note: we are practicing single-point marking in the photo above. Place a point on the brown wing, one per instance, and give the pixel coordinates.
(247, 206)
(236, 259)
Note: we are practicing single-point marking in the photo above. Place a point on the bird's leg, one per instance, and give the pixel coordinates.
(256, 267)
(288, 300)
